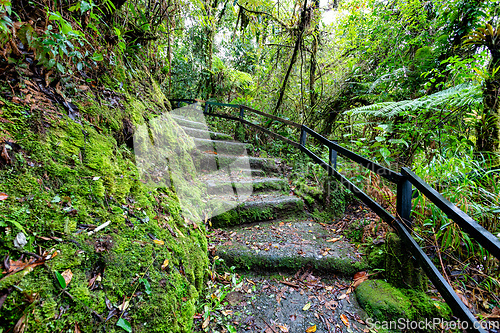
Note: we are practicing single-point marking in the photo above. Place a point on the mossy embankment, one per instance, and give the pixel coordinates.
(74, 175)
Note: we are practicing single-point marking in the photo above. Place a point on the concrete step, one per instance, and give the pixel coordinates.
(205, 134)
(235, 174)
(287, 246)
(223, 147)
(184, 122)
(206, 160)
(257, 185)
(235, 210)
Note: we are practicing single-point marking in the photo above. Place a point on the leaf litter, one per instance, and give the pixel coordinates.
(304, 302)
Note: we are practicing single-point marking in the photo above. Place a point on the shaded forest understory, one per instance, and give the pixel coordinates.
(89, 243)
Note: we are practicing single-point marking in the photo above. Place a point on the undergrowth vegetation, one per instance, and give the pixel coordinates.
(74, 206)
(404, 83)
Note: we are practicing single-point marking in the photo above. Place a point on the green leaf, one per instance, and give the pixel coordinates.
(147, 286)
(84, 6)
(17, 225)
(97, 57)
(60, 67)
(122, 46)
(79, 66)
(385, 152)
(60, 279)
(51, 64)
(65, 27)
(399, 141)
(57, 198)
(55, 16)
(123, 323)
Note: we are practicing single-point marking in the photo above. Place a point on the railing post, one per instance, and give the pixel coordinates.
(303, 137)
(403, 203)
(332, 154)
(242, 114)
(206, 108)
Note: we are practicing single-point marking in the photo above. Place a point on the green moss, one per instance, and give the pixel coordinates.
(384, 302)
(257, 214)
(376, 255)
(227, 219)
(246, 259)
(80, 174)
(239, 132)
(400, 267)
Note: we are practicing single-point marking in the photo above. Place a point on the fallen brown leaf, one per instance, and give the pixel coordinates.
(333, 240)
(16, 265)
(164, 265)
(205, 323)
(20, 325)
(342, 296)
(359, 278)
(311, 329)
(3, 196)
(67, 275)
(345, 320)
(283, 328)
(462, 298)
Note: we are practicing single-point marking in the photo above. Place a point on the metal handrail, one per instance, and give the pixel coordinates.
(402, 222)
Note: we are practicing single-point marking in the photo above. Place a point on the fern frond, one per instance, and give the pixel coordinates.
(452, 98)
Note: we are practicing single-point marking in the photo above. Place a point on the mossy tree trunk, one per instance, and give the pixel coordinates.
(488, 131)
(314, 50)
(293, 59)
(207, 83)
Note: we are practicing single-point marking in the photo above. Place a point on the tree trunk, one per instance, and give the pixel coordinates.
(313, 96)
(488, 131)
(302, 26)
(206, 85)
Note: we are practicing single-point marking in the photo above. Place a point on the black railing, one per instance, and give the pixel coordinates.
(403, 181)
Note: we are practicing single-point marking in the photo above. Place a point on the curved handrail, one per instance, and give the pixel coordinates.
(402, 222)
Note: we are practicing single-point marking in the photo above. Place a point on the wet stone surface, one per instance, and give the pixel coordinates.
(299, 303)
(287, 245)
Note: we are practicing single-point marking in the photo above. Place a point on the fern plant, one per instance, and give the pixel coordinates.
(459, 96)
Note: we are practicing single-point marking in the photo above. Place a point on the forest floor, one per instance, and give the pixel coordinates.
(307, 300)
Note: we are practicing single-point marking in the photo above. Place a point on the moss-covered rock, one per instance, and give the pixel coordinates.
(385, 303)
(63, 183)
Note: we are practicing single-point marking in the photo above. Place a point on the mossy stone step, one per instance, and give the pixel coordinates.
(268, 165)
(288, 246)
(227, 212)
(223, 147)
(184, 122)
(206, 134)
(256, 185)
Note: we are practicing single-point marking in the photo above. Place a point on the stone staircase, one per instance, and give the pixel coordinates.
(262, 225)
(258, 226)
